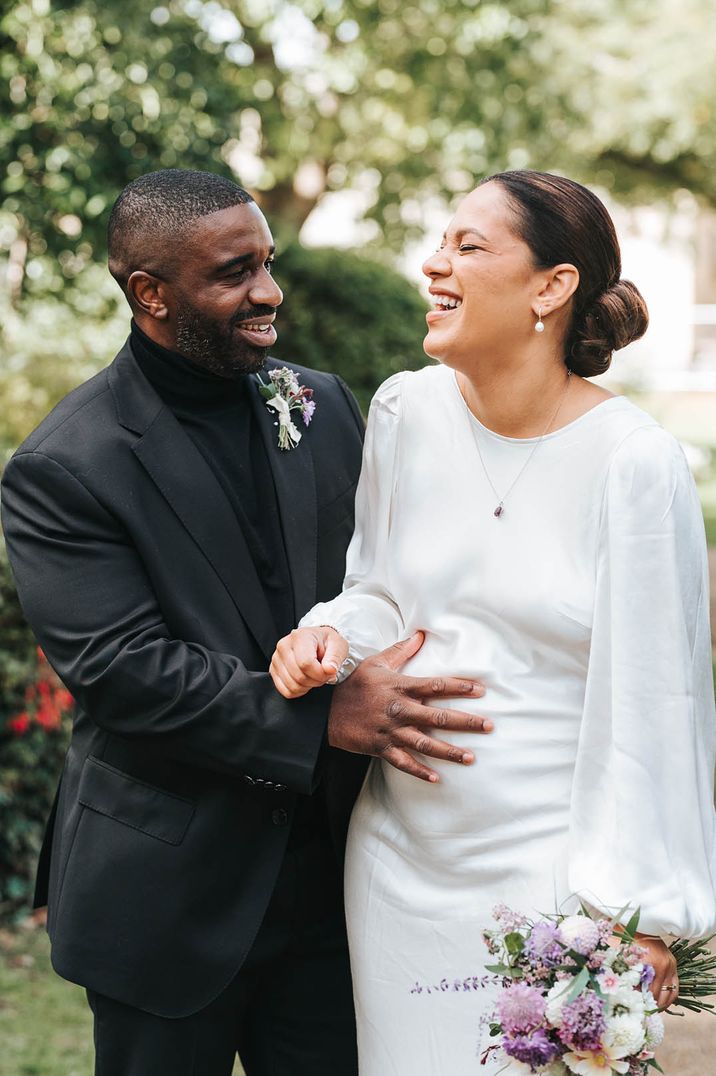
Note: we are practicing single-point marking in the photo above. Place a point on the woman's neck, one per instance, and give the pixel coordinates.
(528, 398)
(517, 402)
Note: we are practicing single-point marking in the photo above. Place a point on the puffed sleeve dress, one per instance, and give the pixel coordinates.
(584, 610)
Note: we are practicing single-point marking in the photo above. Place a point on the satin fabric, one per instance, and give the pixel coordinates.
(584, 609)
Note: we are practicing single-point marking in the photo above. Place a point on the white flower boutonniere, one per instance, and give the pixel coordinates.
(283, 394)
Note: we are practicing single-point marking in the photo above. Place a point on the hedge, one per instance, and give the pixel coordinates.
(34, 729)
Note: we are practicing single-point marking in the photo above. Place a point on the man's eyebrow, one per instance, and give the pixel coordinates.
(240, 259)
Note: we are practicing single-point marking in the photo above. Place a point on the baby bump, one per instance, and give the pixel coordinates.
(519, 784)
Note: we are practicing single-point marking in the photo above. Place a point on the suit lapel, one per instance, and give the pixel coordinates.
(295, 482)
(187, 483)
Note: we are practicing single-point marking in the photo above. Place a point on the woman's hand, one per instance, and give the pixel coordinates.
(307, 658)
(665, 987)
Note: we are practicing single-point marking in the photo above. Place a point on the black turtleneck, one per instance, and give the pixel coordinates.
(218, 416)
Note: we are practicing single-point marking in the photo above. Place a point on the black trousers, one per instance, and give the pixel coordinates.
(289, 1011)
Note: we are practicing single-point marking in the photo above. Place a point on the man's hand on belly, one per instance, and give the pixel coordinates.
(379, 712)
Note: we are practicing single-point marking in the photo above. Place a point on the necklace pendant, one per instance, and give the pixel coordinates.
(499, 510)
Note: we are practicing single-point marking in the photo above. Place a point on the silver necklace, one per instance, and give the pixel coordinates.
(501, 499)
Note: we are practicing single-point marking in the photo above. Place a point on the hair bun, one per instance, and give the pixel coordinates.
(614, 319)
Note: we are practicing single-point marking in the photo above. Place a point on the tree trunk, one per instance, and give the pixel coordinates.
(285, 210)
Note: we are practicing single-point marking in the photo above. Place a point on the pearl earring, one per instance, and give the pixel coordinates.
(539, 327)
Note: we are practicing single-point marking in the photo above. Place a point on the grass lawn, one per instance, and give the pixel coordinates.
(45, 1024)
(46, 1030)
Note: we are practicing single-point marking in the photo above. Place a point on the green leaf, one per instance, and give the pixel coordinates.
(514, 943)
(633, 925)
(504, 969)
(577, 985)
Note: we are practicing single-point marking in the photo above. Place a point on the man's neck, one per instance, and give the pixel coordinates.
(156, 333)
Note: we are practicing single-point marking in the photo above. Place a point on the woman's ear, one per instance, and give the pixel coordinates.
(560, 286)
(147, 295)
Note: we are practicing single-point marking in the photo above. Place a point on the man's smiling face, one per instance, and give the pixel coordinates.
(222, 296)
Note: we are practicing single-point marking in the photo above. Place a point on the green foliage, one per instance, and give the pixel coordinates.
(100, 92)
(341, 312)
(33, 739)
(403, 102)
(52, 343)
(348, 315)
(301, 97)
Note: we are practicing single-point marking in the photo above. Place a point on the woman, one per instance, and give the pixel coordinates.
(547, 538)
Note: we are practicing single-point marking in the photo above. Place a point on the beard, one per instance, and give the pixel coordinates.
(213, 345)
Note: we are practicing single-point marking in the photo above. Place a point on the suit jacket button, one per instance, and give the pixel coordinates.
(279, 816)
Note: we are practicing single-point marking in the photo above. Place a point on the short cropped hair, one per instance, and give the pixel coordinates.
(153, 213)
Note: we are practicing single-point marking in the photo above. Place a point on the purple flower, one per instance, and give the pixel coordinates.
(535, 1050)
(542, 947)
(508, 920)
(583, 1023)
(606, 929)
(308, 408)
(647, 976)
(520, 1008)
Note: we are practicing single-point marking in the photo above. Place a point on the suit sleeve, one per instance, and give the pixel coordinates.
(91, 605)
(353, 404)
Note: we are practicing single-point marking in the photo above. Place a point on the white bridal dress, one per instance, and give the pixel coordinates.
(584, 609)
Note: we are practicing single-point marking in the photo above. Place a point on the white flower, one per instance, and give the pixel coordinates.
(556, 998)
(610, 956)
(626, 1001)
(654, 1030)
(649, 1001)
(580, 933)
(589, 1064)
(624, 1035)
(632, 977)
(609, 981)
(286, 375)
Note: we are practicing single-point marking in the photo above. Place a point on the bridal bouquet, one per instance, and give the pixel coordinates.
(577, 997)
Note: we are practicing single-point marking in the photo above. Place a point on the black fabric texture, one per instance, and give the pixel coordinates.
(143, 584)
(216, 413)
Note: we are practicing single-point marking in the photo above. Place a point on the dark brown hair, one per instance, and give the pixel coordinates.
(562, 221)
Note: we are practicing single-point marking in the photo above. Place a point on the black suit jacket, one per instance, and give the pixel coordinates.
(184, 766)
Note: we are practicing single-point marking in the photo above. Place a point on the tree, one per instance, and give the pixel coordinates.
(401, 98)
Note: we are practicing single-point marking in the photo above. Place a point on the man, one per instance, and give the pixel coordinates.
(162, 542)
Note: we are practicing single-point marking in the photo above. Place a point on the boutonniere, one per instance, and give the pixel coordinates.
(284, 395)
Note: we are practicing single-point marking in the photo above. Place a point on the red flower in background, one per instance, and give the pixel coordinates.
(19, 724)
(47, 700)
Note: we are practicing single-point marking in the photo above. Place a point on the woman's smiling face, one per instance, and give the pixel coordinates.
(483, 283)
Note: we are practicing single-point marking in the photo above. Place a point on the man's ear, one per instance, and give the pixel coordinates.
(148, 295)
